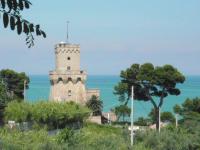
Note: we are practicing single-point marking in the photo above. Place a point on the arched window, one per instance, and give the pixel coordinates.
(69, 79)
(68, 58)
(79, 79)
(60, 80)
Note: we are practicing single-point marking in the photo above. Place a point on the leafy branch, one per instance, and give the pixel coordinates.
(10, 12)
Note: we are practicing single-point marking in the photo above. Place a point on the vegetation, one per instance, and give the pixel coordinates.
(169, 138)
(51, 114)
(90, 137)
(4, 98)
(189, 112)
(122, 111)
(11, 87)
(150, 84)
(141, 121)
(107, 137)
(14, 83)
(164, 116)
(10, 11)
(96, 105)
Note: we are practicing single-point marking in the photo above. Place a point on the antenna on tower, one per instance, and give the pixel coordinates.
(67, 32)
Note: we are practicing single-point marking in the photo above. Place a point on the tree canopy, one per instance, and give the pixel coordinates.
(122, 111)
(10, 11)
(189, 110)
(95, 104)
(151, 83)
(14, 82)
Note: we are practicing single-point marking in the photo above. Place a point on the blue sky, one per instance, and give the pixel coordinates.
(113, 34)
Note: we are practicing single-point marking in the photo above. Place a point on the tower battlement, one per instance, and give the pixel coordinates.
(67, 48)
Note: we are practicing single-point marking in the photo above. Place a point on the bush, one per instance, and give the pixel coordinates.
(51, 114)
(30, 140)
(102, 137)
(18, 111)
(168, 139)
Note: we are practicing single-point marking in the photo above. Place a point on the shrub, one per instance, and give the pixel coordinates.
(168, 139)
(18, 111)
(51, 114)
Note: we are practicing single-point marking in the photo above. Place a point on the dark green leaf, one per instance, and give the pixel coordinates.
(31, 27)
(5, 19)
(12, 23)
(26, 29)
(27, 5)
(19, 26)
(38, 32)
(43, 34)
(3, 4)
(21, 5)
(9, 4)
(14, 4)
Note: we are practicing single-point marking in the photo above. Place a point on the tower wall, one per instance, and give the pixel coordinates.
(67, 56)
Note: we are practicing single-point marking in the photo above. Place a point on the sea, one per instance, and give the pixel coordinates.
(39, 88)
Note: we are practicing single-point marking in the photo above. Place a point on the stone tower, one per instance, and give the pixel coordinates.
(67, 80)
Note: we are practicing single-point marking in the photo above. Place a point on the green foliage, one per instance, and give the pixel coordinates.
(14, 82)
(141, 121)
(149, 83)
(177, 109)
(29, 140)
(122, 111)
(68, 137)
(190, 112)
(101, 137)
(167, 117)
(50, 114)
(4, 98)
(95, 104)
(164, 116)
(10, 11)
(168, 139)
(18, 111)
(90, 137)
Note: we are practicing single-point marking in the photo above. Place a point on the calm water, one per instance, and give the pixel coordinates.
(39, 90)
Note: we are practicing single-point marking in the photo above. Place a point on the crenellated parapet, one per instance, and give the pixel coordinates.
(67, 76)
(63, 48)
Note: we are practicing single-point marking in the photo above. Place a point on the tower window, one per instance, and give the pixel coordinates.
(68, 58)
(69, 93)
(68, 68)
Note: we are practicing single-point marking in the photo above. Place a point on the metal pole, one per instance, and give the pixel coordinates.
(67, 32)
(132, 95)
(176, 120)
(108, 118)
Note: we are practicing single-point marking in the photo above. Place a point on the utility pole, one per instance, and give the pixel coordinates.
(67, 32)
(132, 98)
(176, 116)
(24, 90)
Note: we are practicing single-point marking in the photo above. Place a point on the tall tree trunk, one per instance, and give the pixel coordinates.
(157, 113)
